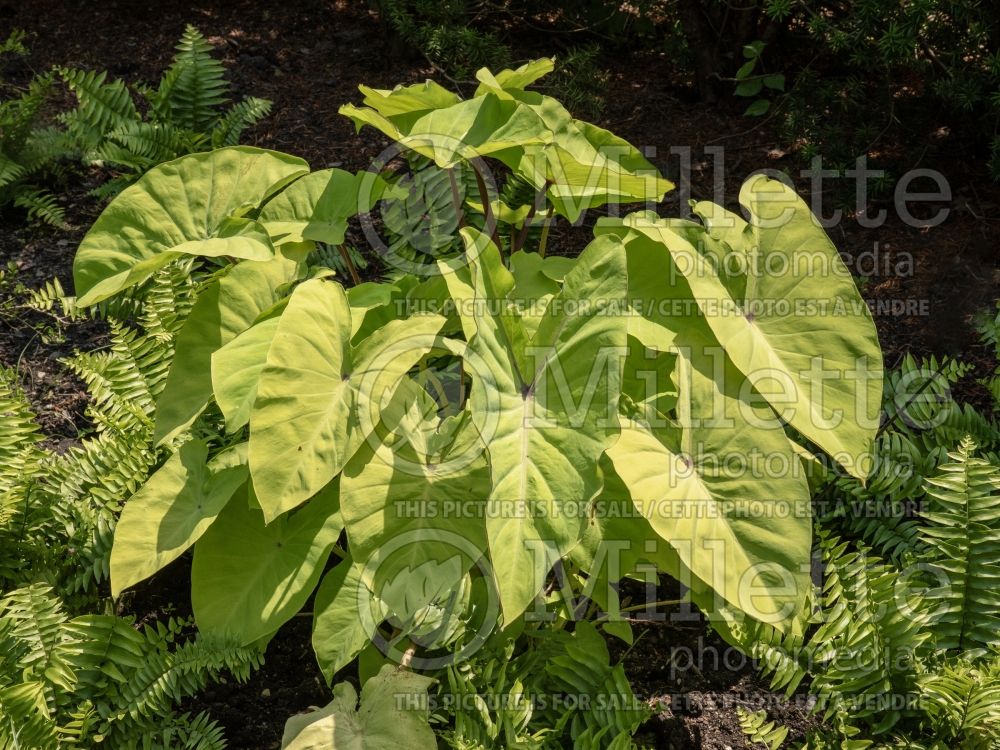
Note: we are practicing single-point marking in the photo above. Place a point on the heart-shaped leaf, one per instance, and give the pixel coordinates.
(300, 438)
(172, 510)
(544, 410)
(392, 716)
(248, 590)
(192, 205)
(226, 308)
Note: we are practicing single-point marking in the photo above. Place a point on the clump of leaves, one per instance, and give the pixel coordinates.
(308, 419)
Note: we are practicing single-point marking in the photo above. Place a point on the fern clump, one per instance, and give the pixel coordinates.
(901, 648)
(522, 710)
(32, 152)
(186, 113)
(98, 678)
(962, 531)
(79, 680)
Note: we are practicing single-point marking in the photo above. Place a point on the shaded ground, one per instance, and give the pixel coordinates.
(308, 57)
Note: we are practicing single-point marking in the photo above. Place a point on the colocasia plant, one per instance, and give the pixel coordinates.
(491, 414)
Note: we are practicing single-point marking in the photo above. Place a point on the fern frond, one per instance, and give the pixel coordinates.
(181, 732)
(916, 390)
(18, 117)
(43, 147)
(988, 325)
(11, 171)
(759, 730)
(886, 526)
(37, 617)
(101, 108)
(963, 704)
(194, 86)
(784, 658)
(19, 436)
(962, 531)
(100, 648)
(168, 676)
(140, 145)
(51, 296)
(14, 43)
(242, 115)
(41, 205)
(871, 628)
(24, 718)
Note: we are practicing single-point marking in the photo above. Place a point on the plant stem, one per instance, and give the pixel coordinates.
(455, 200)
(487, 208)
(545, 232)
(522, 236)
(346, 256)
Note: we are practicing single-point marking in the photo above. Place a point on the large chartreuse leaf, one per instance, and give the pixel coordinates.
(459, 131)
(792, 321)
(392, 716)
(583, 166)
(318, 397)
(537, 280)
(726, 489)
(577, 164)
(345, 617)
(193, 205)
(226, 308)
(249, 578)
(375, 304)
(411, 502)
(618, 542)
(236, 369)
(172, 510)
(519, 78)
(648, 385)
(544, 412)
(317, 207)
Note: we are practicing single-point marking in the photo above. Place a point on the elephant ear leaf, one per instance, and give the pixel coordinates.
(456, 130)
(248, 590)
(793, 321)
(236, 369)
(172, 510)
(423, 457)
(726, 491)
(194, 205)
(346, 616)
(227, 308)
(543, 411)
(317, 207)
(392, 716)
(519, 78)
(300, 438)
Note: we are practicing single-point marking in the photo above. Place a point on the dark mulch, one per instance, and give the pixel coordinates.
(308, 57)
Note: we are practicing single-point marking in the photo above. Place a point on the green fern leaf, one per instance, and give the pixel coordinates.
(759, 730)
(193, 88)
(962, 530)
(242, 115)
